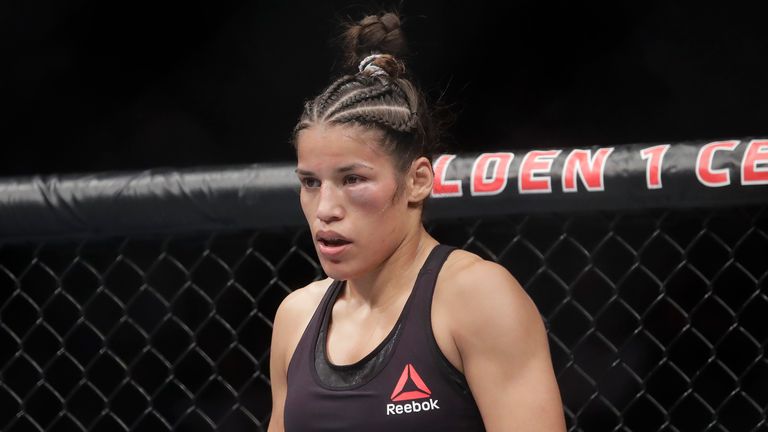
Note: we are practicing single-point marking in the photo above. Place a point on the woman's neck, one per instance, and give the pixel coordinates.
(390, 280)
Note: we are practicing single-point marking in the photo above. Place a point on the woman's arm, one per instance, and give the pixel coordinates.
(505, 355)
(278, 367)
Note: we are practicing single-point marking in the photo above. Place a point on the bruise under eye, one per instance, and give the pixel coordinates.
(370, 195)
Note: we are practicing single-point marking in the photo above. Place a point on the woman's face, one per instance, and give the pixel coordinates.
(349, 196)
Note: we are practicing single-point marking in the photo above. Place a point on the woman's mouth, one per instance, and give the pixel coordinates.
(332, 246)
(333, 242)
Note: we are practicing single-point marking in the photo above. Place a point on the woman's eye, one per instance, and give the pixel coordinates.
(310, 182)
(352, 179)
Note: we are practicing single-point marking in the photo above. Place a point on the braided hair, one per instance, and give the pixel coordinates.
(379, 95)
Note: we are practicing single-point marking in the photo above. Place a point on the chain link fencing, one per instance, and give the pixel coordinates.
(656, 320)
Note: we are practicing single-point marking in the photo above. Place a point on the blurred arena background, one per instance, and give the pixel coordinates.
(91, 85)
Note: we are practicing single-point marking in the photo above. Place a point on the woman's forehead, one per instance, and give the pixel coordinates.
(343, 145)
(344, 133)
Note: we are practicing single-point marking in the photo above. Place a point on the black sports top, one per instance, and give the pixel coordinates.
(404, 384)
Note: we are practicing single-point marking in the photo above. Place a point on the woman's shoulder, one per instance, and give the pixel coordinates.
(301, 303)
(466, 270)
(292, 317)
(473, 284)
(478, 305)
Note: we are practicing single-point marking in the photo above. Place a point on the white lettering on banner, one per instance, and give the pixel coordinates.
(490, 172)
(655, 157)
(441, 187)
(495, 164)
(412, 407)
(707, 175)
(590, 169)
(754, 165)
(534, 162)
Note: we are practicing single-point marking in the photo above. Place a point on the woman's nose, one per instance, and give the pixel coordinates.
(329, 206)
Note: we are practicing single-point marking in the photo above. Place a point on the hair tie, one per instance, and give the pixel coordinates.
(367, 65)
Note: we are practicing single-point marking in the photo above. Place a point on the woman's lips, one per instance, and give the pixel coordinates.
(331, 244)
(332, 250)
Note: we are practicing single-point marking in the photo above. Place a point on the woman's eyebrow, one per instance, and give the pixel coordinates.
(351, 167)
(343, 169)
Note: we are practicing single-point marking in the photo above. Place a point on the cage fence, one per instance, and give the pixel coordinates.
(656, 318)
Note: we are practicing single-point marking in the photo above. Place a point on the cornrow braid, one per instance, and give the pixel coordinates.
(380, 96)
(331, 92)
(353, 98)
(392, 117)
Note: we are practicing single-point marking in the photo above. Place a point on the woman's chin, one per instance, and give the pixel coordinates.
(337, 270)
(335, 273)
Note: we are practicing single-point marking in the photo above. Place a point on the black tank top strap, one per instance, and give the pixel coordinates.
(422, 317)
(326, 304)
(313, 327)
(432, 266)
(425, 284)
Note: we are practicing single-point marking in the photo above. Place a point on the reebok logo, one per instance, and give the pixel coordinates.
(411, 378)
(410, 375)
(412, 407)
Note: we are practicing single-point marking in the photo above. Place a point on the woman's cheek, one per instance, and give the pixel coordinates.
(368, 197)
(306, 204)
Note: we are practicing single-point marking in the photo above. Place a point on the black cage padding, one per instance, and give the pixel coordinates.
(261, 196)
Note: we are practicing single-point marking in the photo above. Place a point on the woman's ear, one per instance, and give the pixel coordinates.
(420, 178)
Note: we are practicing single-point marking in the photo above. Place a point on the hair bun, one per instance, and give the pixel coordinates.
(376, 34)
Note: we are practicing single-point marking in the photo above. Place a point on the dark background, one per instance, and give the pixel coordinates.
(96, 86)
